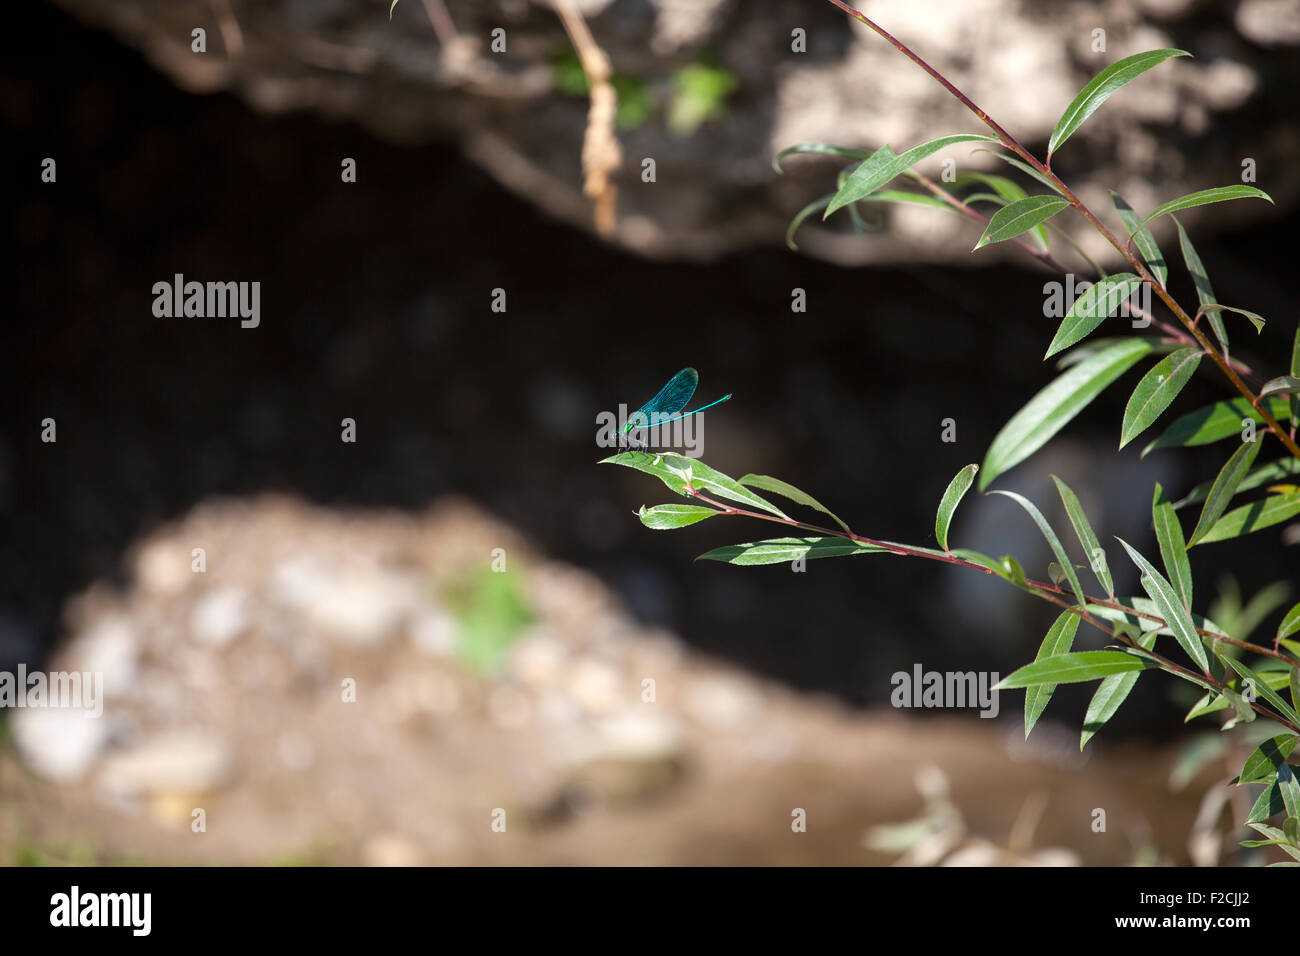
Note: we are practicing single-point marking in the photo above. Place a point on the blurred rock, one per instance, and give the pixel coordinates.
(173, 762)
(714, 189)
(220, 616)
(58, 743)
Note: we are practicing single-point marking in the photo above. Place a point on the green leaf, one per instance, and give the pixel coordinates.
(1171, 607)
(674, 470)
(1096, 554)
(1205, 197)
(1024, 167)
(665, 517)
(1201, 279)
(951, 498)
(1142, 237)
(1289, 787)
(883, 165)
(818, 149)
(1173, 547)
(1074, 668)
(1258, 514)
(1268, 805)
(1101, 88)
(1295, 373)
(1091, 308)
(1053, 408)
(391, 9)
(785, 550)
(786, 490)
(801, 216)
(1059, 639)
(1007, 190)
(1208, 704)
(1255, 318)
(1267, 757)
(1290, 624)
(1019, 217)
(1156, 392)
(1264, 474)
(1052, 540)
(906, 198)
(1110, 693)
(1282, 385)
(1224, 487)
(1215, 423)
(1262, 688)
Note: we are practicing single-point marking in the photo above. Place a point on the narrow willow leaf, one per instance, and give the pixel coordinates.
(1073, 668)
(1171, 608)
(787, 490)
(1215, 423)
(818, 149)
(1173, 547)
(1091, 308)
(1255, 318)
(1293, 685)
(1101, 88)
(883, 165)
(1059, 639)
(1157, 390)
(801, 216)
(1053, 408)
(673, 471)
(1110, 693)
(1290, 624)
(1142, 237)
(1224, 487)
(1264, 474)
(1093, 346)
(1295, 373)
(1092, 548)
(1258, 514)
(1008, 191)
(982, 560)
(1262, 688)
(1268, 805)
(1267, 757)
(666, 517)
(1205, 197)
(951, 498)
(1290, 790)
(1024, 167)
(785, 550)
(1201, 279)
(1019, 217)
(1208, 704)
(1052, 540)
(1282, 385)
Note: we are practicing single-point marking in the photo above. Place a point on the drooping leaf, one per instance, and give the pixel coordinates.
(1224, 487)
(1254, 516)
(1156, 391)
(666, 517)
(1019, 217)
(1101, 88)
(1007, 190)
(1206, 196)
(1262, 475)
(1092, 548)
(1209, 704)
(787, 490)
(883, 165)
(1142, 238)
(1173, 547)
(1282, 385)
(1059, 639)
(1215, 423)
(1201, 279)
(1255, 318)
(1290, 623)
(674, 471)
(1171, 607)
(818, 149)
(951, 498)
(1073, 668)
(1052, 540)
(1056, 405)
(1093, 306)
(1110, 693)
(785, 550)
(801, 216)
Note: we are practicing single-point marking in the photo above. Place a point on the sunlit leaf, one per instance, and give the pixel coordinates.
(818, 149)
(1073, 668)
(1267, 757)
(1205, 197)
(1224, 487)
(1215, 423)
(1052, 540)
(666, 517)
(1059, 639)
(1019, 217)
(1108, 697)
(1142, 238)
(883, 165)
(787, 490)
(786, 550)
(1171, 607)
(1173, 547)
(1093, 306)
(1258, 514)
(1101, 88)
(1204, 291)
(1087, 537)
(1156, 391)
(951, 498)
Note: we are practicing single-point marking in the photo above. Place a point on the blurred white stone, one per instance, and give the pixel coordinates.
(509, 707)
(538, 659)
(220, 616)
(389, 850)
(433, 631)
(296, 751)
(163, 568)
(58, 743)
(364, 608)
(1269, 22)
(109, 647)
(723, 703)
(594, 685)
(187, 761)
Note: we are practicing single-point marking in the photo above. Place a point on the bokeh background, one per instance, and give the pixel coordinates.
(371, 560)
